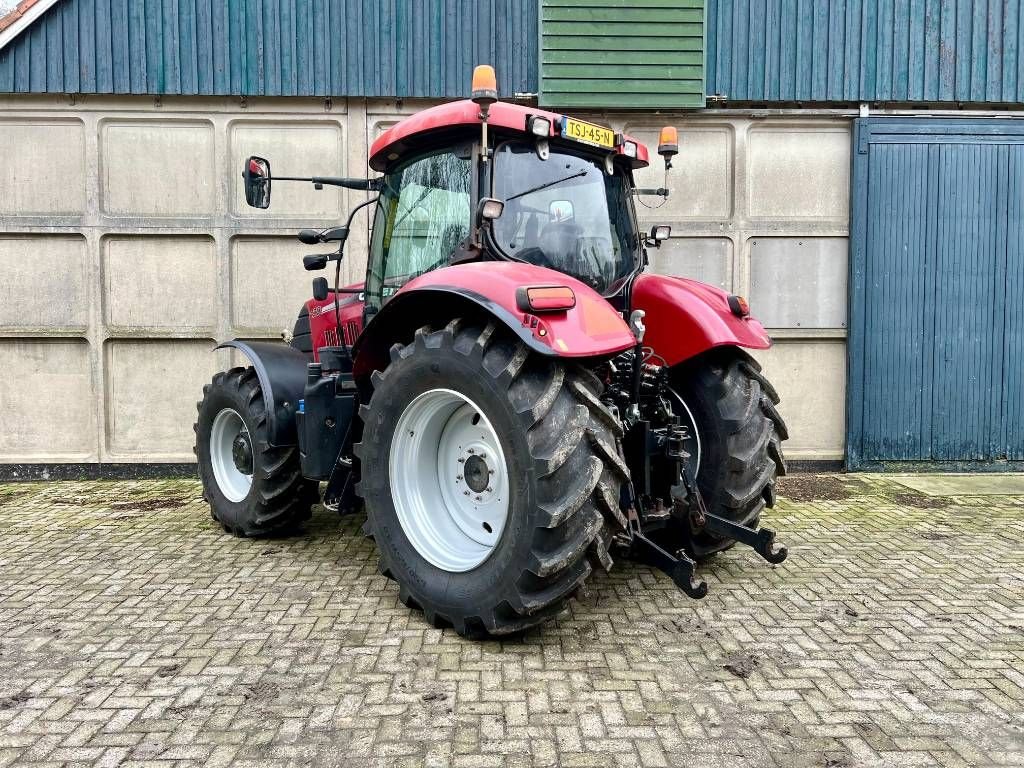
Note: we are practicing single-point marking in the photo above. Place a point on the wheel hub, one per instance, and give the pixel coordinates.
(241, 453)
(477, 474)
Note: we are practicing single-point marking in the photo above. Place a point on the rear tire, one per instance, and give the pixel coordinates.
(562, 471)
(741, 434)
(273, 497)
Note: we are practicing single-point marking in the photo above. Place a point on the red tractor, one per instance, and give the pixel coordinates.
(512, 396)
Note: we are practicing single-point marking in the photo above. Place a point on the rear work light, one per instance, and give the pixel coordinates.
(546, 298)
(540, 126)
(739, 306)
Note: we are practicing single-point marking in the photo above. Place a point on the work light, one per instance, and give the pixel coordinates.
(540, 126)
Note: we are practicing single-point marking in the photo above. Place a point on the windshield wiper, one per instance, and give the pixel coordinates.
(539, 187)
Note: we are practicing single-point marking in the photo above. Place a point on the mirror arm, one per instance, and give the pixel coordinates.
(362, 185)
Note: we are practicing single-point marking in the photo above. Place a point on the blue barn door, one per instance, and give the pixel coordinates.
(936, 346)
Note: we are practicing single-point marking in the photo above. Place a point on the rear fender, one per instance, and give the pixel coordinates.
(281, 370)
(591, 329)
(685, 318)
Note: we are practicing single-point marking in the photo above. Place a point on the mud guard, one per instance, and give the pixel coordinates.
(281, 370)
(685, 318)
(591, 329)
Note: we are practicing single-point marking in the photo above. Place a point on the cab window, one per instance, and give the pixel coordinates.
(422, 216)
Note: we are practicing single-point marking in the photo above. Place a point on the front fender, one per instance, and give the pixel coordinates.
(281, 370)
(590, 329)
(685, 318)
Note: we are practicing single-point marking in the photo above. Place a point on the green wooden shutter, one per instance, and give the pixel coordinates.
(622, 53)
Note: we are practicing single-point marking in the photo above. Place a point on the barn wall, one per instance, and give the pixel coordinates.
(923, 51)
(366, 48)
(128, 251)
(760, 207)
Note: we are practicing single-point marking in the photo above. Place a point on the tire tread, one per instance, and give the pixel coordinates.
(572, 437)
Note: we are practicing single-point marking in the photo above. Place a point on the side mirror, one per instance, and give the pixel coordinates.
(321, 289)
(561, 210)
(659, 233)
(257, 182)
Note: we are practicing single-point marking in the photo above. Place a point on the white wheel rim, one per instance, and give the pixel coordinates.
(449, 480)
(233, 483)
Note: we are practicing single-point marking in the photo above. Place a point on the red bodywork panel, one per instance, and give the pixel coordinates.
(686, 317)
(501, 115)
(323, 326)
(589, 329)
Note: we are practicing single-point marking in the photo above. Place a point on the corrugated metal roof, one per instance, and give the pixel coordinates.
(273, 47)
(809, 51)
(866, 50)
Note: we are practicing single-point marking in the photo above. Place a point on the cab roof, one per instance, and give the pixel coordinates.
(391, 144)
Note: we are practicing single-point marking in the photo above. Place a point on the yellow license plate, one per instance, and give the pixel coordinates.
(588, 133)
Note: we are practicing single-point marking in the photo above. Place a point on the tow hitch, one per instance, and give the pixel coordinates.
(680, 567)
(688, 503)
(686, 497)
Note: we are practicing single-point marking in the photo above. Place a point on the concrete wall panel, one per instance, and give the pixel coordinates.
(708, 259)
(810, 377)
(760, 207)
(47, 401)
(799, 282)
(132, 233)
(268, 283)
(156, 283)
(701, 177)
(46, 173)
(798, 172)
(45, 283)
(300, 149)
(152, 387)
(163, 168)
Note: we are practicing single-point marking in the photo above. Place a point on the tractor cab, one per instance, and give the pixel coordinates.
(485, 180)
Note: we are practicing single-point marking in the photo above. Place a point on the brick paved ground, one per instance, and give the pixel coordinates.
(132, 630)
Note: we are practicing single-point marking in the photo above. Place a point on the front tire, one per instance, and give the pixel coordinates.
(553, 477)
(253, 489)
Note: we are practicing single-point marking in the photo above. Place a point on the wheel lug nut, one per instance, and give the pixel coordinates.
(489, 489)
(461, 460)
(483, 455)
(490, 471)
(479, 498)
(465, 493)
(458, 477)
(470, 450)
